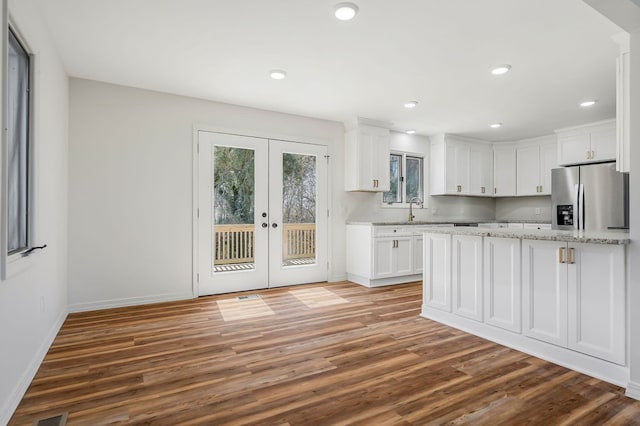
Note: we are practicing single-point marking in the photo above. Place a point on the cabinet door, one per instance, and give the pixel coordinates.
(480, 170)
(418, 243)
(436, 279)
(528, 170)
(367, 159)
(466, 276)
(383, 257)
(597, 301)
(381, 159)
(457, 168)
(502, 286)
(403, 256)
(544, 285)
(504, 172)
(603, 144)
(548, 161)
(574, 149)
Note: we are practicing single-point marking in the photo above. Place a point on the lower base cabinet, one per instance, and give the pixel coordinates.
(437, 271)
(574, 296)
(502, 283)
(549, 296)
(466, 276)
(392, 256)
(384, 255)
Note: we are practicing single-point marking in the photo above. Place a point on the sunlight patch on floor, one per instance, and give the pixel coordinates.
(317, 297)
(234, 309)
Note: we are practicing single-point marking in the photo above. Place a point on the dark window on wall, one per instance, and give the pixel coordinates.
(18, 118)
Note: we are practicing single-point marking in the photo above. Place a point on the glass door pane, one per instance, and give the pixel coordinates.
(298, 209)
(233, 209)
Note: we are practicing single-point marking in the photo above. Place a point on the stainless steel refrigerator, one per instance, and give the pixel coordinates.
(593, 197)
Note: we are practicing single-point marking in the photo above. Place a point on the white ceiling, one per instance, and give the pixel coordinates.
(438, 52)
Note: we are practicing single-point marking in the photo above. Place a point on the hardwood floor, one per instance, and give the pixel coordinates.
(369, 361)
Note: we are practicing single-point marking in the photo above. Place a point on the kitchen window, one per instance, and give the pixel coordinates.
(406, 174)
(18, 149)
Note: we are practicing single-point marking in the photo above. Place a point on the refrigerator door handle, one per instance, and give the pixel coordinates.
(581, 206)
(576, 206)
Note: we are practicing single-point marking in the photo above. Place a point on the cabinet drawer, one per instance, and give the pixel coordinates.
(393, 231)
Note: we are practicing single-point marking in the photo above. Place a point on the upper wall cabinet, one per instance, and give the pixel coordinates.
(504, 171)
(535, 159)
(367, 156)
(592, 143)
(460, 166)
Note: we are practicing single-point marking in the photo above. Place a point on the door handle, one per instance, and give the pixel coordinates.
(264, 225)
(561, 255)
(274, 225)
(570, 256)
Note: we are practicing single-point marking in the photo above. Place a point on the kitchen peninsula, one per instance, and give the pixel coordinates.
(558, 295)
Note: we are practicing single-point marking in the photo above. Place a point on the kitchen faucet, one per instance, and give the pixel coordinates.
(418, 201)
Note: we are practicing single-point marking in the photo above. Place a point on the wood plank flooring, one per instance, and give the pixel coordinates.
(370, 361)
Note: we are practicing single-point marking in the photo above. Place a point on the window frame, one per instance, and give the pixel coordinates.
(403, 187)
(15, 262)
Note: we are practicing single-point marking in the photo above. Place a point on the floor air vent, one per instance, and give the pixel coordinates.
(59, 420)
(248, 297)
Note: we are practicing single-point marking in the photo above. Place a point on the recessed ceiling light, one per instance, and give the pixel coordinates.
(410, 131)
(588, 103)
(495, 125)
(345, 11)
(501, 69)
(277, 74)
(411, 104)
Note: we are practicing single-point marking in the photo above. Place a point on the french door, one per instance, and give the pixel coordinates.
(262, 213)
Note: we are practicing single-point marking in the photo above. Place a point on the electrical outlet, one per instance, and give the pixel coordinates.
(537, 210)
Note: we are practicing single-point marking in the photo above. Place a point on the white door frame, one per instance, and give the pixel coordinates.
(195, 247)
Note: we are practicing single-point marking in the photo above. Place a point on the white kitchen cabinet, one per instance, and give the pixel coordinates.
(418, 252)
(393, 256)
(591, 143)
(437, 271)
(480, 170)
(534, 163)
(384, 255)
(504, 171)
(545, 226)
(574, 296)
(367, 158)
(596, 300)
(544, 292)
(502, 285)
(466, 276)
(460, 167)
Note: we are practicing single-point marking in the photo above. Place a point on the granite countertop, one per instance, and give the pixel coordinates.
(594, 237)
(441, 222)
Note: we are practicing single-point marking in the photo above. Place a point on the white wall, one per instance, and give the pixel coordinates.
(130, 237)
(368, 206)
(33, 303)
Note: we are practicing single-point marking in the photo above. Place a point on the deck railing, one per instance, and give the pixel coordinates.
(235, 243)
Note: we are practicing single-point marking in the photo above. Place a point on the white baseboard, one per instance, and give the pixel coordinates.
(633, 390)
(7, 409)
(381, 282)
(129, 301)
(338, 278)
